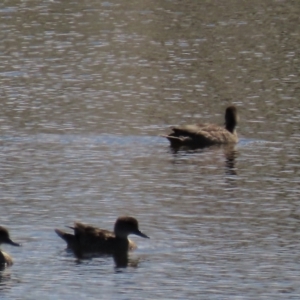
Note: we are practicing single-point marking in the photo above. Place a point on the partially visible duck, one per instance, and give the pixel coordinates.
(5, 258)
(89, 239)
(203, 135)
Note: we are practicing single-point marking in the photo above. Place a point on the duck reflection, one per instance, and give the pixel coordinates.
(123, 260)
(230, 160)
(211, 156)
(5, 279)
(88, 241)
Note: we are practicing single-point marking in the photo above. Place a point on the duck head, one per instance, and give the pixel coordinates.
(4, 237)
(125, 226)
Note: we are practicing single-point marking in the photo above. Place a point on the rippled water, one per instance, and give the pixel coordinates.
(87, 87)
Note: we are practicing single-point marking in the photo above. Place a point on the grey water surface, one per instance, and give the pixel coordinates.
(87, 87)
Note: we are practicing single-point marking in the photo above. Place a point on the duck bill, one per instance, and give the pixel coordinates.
(139, 233)
(10, 242)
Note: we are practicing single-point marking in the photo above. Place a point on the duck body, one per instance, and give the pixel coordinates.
(88, 239)
(204, 135)
(5, 258)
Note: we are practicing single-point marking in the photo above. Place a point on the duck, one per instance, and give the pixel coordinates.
(5, 258)
(87, 239)
(204, 135)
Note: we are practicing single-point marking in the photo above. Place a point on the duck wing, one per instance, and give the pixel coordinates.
(83, 230)
(93, 239)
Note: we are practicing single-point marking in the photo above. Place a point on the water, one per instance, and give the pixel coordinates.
(87, 87)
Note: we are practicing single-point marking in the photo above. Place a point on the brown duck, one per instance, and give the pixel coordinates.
(204, 135)
(88, 239)
(5, 259)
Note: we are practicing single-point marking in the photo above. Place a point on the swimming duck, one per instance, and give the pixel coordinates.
(89, 239)
(203, 135)
(5, 239)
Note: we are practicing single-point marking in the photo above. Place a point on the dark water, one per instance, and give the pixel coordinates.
(87, 87)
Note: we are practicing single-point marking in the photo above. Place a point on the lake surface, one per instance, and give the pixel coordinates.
(86, 89)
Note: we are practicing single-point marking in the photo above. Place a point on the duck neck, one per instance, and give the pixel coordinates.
(121, 235)
(230, 126)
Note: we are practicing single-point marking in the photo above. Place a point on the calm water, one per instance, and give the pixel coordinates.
(87, 87)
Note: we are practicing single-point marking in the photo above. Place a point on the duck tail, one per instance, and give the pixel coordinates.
(67, 237)
(175, 141)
